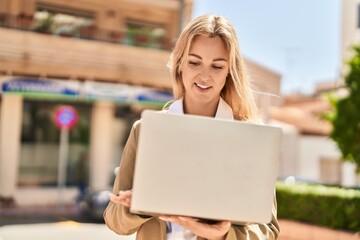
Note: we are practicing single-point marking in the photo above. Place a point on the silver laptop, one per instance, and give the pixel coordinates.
(205, 168)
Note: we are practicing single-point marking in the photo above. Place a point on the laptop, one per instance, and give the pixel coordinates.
(205, 168)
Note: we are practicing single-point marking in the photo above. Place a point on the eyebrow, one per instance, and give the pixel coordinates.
(216, 59)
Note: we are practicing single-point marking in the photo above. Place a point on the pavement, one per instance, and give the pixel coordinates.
(292, 230)
(52, 222)
(40, 214)
(60, 231)
(58, 223)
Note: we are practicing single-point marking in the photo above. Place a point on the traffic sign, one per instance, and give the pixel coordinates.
(66, 116)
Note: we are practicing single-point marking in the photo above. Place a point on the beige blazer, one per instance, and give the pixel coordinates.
(120, 220)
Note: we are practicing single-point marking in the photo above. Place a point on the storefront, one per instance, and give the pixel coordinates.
(29, 160)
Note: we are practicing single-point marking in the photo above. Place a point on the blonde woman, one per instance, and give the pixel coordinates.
(209, 79)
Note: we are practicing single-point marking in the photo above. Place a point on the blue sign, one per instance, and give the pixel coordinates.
(155, 96)
(66, 116)
(26, 84)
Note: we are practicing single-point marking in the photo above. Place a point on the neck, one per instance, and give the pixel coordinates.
(203, 109)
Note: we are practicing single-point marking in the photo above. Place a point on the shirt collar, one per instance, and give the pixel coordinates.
(223, 111)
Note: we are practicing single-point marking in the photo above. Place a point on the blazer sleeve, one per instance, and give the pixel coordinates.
(118, 217)
(269, 231)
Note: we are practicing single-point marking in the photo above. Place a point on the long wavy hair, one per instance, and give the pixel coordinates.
(237, 91)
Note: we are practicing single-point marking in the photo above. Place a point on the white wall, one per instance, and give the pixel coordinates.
(350, 32)
(302, 155)
(289, 151)
(311, 149)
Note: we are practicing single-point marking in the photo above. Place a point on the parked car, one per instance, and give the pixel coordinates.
(93, 203)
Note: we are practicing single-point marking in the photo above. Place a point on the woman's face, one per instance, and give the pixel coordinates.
(205, 72)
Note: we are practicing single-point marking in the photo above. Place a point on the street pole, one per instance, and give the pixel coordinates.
(63, 157)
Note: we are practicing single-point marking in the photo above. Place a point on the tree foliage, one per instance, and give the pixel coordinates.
(346, 117)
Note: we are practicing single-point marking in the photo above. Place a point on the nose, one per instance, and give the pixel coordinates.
(205, 74)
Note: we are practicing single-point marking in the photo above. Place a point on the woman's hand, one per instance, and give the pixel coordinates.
(215, 231)
(124, 198)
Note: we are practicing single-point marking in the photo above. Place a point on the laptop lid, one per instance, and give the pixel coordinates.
(205, 168)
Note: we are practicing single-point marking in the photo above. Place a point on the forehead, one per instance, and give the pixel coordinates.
(208, 47)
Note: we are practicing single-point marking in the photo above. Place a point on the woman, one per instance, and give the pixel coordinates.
(209, 79)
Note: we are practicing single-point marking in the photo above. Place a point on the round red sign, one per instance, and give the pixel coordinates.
(66, 116)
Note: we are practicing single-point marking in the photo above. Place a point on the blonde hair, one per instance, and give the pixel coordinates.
(237, 91)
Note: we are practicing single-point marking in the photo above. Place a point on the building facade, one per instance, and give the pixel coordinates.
(106, 59)
(308, 152)
(350, 27)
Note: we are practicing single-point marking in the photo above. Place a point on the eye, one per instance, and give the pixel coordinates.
(194, 63)
(215, 67)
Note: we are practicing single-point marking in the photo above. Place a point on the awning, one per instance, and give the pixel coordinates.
(35, 87)
(83, 91)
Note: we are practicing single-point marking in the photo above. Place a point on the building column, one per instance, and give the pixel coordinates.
(10, 132)
(101, 145)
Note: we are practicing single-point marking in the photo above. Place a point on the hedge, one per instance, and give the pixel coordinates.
(332, 207)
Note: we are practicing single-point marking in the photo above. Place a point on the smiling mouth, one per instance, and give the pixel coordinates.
(202, 86)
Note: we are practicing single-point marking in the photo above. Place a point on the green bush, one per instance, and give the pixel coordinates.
(332, 207)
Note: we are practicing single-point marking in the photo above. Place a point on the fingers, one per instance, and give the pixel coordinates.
(126, 192)
(223, 225)
(116, 198)
(209, 231)
(180, 220)
(167, 218)
(124, 198)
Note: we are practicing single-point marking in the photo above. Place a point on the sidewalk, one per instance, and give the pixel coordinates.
(291, 230)
(39, 214)
(60, 231)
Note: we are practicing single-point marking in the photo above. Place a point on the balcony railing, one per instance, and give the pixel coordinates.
(27, 22)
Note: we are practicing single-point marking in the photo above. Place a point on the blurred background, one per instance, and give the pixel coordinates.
(75, 75)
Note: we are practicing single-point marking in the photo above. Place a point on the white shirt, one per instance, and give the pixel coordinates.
(224, 111)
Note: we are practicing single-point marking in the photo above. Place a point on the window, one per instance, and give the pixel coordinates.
(59, 21)
(146, 34)
(330, 171)
(40, 145)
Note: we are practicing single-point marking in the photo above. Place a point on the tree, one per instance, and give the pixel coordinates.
(346, 116)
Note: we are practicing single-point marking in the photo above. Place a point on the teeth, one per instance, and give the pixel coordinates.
(202, 86)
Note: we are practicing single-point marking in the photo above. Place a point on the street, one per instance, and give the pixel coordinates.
(60, 231)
